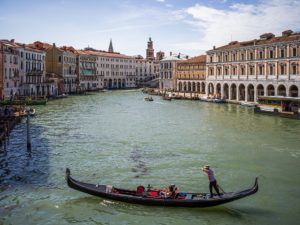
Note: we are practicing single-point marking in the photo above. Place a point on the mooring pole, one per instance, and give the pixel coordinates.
(28, 131)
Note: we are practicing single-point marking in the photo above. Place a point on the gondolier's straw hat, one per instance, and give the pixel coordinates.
(206, 167)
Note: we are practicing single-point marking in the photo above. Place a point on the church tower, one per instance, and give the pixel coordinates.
(110, 48)
(150, 50)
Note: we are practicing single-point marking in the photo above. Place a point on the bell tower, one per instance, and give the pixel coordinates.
(150, 50)
(110, 48)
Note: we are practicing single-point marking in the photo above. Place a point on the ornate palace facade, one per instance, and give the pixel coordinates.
(268, 66)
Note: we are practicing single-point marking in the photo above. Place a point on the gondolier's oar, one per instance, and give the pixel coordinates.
(221, 189)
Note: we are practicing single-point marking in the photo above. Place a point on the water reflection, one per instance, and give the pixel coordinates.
(140, 168)
(20, 165)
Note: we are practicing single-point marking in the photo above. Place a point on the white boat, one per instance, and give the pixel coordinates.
(248, 104)
(29, 111)
(148, 98)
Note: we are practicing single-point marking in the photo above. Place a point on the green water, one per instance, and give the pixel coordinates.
(118, 138)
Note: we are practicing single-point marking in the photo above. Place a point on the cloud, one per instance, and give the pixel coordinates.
(239, 22)
(160, 0)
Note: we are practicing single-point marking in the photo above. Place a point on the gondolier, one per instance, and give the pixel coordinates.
(212, 180)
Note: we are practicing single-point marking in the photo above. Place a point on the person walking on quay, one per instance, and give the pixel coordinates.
(212, 180)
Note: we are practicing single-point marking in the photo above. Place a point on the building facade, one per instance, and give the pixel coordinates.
(146, 70)
(268, 66)
(115, 70)
(10, 68)
(87, 71)
(62, 62)
(168, 66)
(191, 75)
(32, 70)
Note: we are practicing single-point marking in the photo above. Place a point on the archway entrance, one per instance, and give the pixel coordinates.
(242, 92)
(294, 91)
(270, 90)
(281, 91)
(250, 92)
(233, 92)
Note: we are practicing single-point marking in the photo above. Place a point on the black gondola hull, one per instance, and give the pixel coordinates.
(131, 197)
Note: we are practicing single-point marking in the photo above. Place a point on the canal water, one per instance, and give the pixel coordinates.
(118, 138)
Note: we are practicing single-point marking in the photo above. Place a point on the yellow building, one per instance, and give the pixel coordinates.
(62, 62)
(191, 74)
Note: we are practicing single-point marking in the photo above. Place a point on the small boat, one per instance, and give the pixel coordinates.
(152, 197)
(148, 98)
(248, 104)
(218, 100)
(287, 107)
(29, 111)
(165, 97)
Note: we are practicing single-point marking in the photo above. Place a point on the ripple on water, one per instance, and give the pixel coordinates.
(119, 139)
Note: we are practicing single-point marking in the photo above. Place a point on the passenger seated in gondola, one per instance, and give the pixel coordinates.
(173, 191)
(140, 190)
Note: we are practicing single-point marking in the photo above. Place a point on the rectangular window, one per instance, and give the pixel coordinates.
(260, 70)
(282, 69)
(294, 52)
(282, 53)
(271, 70)
(271, 54)
(294, 69)
(260, 55)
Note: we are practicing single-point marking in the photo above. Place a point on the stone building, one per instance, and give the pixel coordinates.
(168, 66)
(10, 65)
(87, 71)
(191, 75)
(32, 72)
(62, 63)
(268, 66)
(115, 70)
(146, 70)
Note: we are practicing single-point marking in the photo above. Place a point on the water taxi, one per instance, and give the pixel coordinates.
(288, 107)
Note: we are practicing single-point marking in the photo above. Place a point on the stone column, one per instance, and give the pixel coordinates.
(246, 93)
(288, 70)
(222, 91)
(215, 71)
(229, 91)
(255, 93)
(266, 89)
(237, 92)
(265, 71)
(255, 70)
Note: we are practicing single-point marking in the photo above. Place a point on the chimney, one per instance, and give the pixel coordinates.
(170, 53)
(187, 57)
(287, 33)
(214, 47)
(12, 41)
(54, 45)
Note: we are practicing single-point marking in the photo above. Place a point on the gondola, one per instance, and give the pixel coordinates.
(181, 200)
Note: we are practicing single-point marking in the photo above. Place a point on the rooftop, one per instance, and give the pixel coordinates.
(266, 38)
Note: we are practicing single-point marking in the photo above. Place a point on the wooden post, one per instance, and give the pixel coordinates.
(28, 131)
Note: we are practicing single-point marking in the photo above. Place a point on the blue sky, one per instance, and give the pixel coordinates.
(186, 26)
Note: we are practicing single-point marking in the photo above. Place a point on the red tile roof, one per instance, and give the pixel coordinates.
(262, 41)
(196, 59)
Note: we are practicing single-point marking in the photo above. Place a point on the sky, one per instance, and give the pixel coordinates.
(182, 26)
